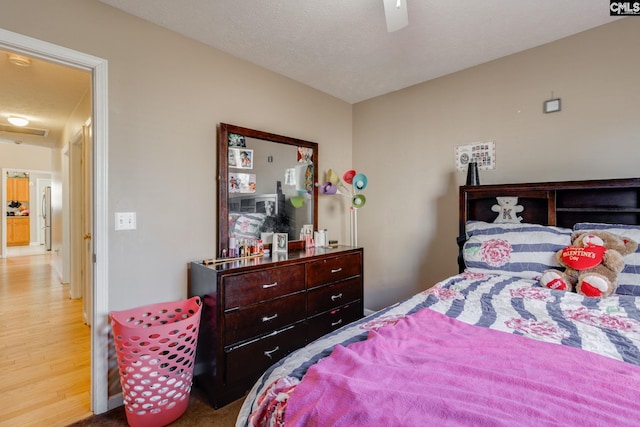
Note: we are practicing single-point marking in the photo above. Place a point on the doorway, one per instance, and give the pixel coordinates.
(99, 300)
(44, 292)
(31, 209)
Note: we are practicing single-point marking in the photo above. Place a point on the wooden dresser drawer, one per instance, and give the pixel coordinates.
(249, 322)
(328, 297)
(334, 319)
(258, 311)
(250, 288)
(252, 359)
(333, 269)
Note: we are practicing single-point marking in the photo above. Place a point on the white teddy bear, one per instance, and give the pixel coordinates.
(507, 209)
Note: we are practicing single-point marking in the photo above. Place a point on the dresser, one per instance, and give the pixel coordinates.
(256, 311)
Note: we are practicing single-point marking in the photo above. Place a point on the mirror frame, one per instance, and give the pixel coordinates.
(223, 177)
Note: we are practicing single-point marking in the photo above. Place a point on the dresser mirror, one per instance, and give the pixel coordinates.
(267, 184)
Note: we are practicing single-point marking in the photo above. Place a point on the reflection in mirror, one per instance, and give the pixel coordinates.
(267, 184)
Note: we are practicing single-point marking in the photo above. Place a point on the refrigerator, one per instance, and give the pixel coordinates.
(46, 216)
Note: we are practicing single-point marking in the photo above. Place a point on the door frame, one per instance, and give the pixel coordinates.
(100, 316)
(73, 218)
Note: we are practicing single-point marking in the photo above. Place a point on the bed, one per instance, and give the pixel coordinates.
(488, 346)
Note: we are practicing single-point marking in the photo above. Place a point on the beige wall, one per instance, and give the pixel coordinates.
(27, 157)
(405, 143)
(167, 94)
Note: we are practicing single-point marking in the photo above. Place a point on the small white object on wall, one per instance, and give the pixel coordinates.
(483, 153)
(552, 105)
(125, 221)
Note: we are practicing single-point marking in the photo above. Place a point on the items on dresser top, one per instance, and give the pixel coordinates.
(255, 311)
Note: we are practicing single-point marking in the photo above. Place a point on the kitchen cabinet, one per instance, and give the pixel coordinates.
(18, 189)
(18, 231)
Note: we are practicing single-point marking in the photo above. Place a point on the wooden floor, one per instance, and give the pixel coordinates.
(45, 349)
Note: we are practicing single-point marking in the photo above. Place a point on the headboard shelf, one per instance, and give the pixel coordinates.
(613, 210)
(562, 203)
(557, 203)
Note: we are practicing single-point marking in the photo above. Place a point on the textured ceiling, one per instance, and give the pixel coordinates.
(342, 47)
(44, 93)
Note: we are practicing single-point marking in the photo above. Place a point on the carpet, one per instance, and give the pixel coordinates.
(199, 413)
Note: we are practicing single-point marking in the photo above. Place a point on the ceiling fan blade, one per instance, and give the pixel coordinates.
(396, 13)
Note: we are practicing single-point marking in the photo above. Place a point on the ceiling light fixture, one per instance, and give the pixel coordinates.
(18, 121)
(19, 60)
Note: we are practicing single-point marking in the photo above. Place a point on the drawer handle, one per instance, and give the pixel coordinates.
(268, 353)
(336, 270)
(270, 285)
(335, 297)
(269, 318)
(336, 323)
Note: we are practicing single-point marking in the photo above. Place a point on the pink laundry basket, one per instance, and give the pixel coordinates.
(156, 348)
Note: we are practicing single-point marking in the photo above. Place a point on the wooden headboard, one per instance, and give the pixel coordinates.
(614, 201)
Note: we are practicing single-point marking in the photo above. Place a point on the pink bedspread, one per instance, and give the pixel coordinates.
(430, 369)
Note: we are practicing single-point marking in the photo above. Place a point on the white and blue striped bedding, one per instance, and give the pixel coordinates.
(609, 326)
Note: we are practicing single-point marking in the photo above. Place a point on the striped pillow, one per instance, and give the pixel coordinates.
(520, 250)
(629, 278)
(246, 225)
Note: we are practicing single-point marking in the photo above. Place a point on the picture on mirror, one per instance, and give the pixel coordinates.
(280, 241)
(305, 154)
(290, 176)
(236, 140)
(233, 158)
(308, 178)
(241, 158)
(242, 183)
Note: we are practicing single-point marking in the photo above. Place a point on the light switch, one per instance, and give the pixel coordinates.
(125, 221)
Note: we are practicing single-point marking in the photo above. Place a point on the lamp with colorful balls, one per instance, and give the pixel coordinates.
(350, 186)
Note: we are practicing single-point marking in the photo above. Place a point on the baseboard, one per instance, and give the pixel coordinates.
(115, 401)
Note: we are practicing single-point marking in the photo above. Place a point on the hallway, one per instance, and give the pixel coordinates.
(45, 348)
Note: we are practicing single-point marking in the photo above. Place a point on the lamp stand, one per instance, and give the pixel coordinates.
(354, 227)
